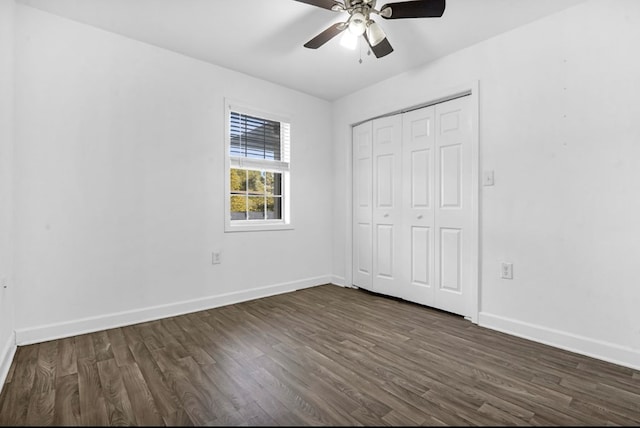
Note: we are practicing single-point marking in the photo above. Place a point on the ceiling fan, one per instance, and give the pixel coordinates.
(360, 23)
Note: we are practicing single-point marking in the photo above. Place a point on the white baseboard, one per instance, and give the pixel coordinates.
(338, 280)
(605, 351)
(6, 357)
(44, 333)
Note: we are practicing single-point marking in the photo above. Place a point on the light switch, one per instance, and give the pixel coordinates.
(487, 178)
(506, 270)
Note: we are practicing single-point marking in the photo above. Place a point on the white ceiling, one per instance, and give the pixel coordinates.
(264, 38)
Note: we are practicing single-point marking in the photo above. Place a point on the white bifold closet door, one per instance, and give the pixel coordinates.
(387, 205)
(362, 206)
(413, 220)
(377, 183)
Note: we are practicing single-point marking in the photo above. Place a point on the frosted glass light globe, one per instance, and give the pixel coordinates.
(357, 24)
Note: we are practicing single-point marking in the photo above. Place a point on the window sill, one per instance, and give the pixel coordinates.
(256, 227)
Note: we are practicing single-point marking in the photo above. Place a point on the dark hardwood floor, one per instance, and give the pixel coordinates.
(320, 356)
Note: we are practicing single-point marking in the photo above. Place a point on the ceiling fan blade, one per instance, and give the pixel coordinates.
(326, 35)
(413, 9)
(381, 49)
(325, 4)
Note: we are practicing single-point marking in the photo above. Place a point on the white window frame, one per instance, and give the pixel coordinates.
(283, 167)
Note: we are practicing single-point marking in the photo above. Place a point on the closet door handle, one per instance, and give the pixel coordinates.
(419, 216)
(386, 215)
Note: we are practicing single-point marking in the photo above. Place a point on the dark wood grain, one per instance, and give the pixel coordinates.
(67, 401)
(321, 356)
(93, 410)
(84, 346)
(17, 393)
(166, 402)
(45, 370)
(40, 411)
(67, 363)
(119, 347)
(116, 397)
(142, 402)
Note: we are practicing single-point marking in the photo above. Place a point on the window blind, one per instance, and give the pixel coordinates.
(258, 138)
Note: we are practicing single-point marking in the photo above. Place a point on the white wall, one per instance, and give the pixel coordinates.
(7, 341)
(559, 126)
(120, 183)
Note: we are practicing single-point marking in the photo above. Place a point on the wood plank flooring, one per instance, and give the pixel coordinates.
(320, 356)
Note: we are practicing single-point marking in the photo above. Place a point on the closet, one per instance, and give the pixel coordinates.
(414, 224)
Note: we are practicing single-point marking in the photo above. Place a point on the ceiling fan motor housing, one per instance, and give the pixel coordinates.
(362, 6)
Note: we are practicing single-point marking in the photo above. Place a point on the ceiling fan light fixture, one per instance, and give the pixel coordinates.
(349, 40)
(357, 24)
(374, 33)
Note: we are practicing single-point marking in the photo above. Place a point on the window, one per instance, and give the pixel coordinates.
(257, 154)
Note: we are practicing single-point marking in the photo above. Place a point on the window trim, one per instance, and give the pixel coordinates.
(256, 164)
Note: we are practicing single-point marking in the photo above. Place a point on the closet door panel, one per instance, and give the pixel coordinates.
(454, 214)
(387, 209)
(420, 178)
(418, 145)
(384, 251)
(362, 255)
(363, 245)
(420, 256)
(450, 179)
(385, 181)
(450, 257)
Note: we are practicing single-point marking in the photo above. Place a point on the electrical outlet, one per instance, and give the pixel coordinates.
(216, 258)
(506, 270)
